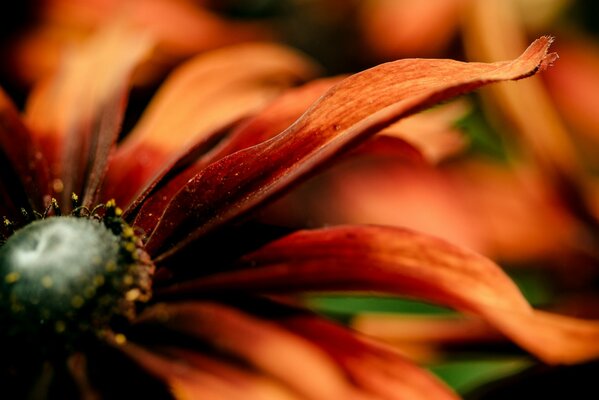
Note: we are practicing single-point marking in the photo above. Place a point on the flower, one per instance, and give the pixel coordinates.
(182, 293)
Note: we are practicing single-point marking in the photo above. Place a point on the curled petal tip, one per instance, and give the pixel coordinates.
(548, 58)
(548, 61)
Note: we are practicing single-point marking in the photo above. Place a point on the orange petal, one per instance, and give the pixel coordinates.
(409, 28)
(200, 97)
(471, 203)
(574, 86)
(262, 344)
(424, 338)
(193, 376)
(375, 367)
(394, 328)
(181, 28)
(433, 131)
(393, 260)
(356, 108)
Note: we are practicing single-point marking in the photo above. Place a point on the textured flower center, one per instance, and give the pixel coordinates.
(61, 277)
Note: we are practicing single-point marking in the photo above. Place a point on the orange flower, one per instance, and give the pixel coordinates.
(183, 293)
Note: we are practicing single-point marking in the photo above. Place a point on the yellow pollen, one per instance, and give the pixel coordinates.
(130, 247)
(60, 326)
(111, 266)
(89, 292)
(77, 301)
(120, 339)
(16, 308)
(128, 280)
(47, 282)
(12, 277)
(133, 294)
(128, 232)
(99, 280)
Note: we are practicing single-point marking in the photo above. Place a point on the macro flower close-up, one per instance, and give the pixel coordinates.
(142, 254)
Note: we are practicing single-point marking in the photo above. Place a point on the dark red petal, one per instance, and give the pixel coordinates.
(105, 130)
(27, 162)
(360, 106)
(171, 167)
(76, 112)
(199, 98)
(389, 146)
(272, 120)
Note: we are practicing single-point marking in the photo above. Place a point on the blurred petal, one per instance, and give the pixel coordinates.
(425, 338)
(184, 381)
(393, 260)
(471, 203)
(199, 98)
(77, 365)
(76, 113)
(433, 131)
(359, 106)
(180, 27)
(574, 86)
(263, 345)
(193, 376)
(27, 162)
(540, 15)
(556, 339)
(242, 382)
(394, 328)
(409, 28)
(493, 32)
(375, 367)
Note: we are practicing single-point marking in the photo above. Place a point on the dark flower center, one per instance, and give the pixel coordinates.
(62, 278)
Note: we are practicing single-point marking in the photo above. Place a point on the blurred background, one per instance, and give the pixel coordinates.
(510, 172)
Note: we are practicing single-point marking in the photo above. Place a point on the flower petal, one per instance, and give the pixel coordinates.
(409, 28)
(199, 98)
(574, 86)
(374, 367)
(440, 329)
(273, 119)
(192, 376)
(77, 119)
(181, 29)
(472, 203)
(433, 131)
(527, 107)
(262, 344)
(427, 338)
(18, 146)
(358, 107)
(393, 260)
